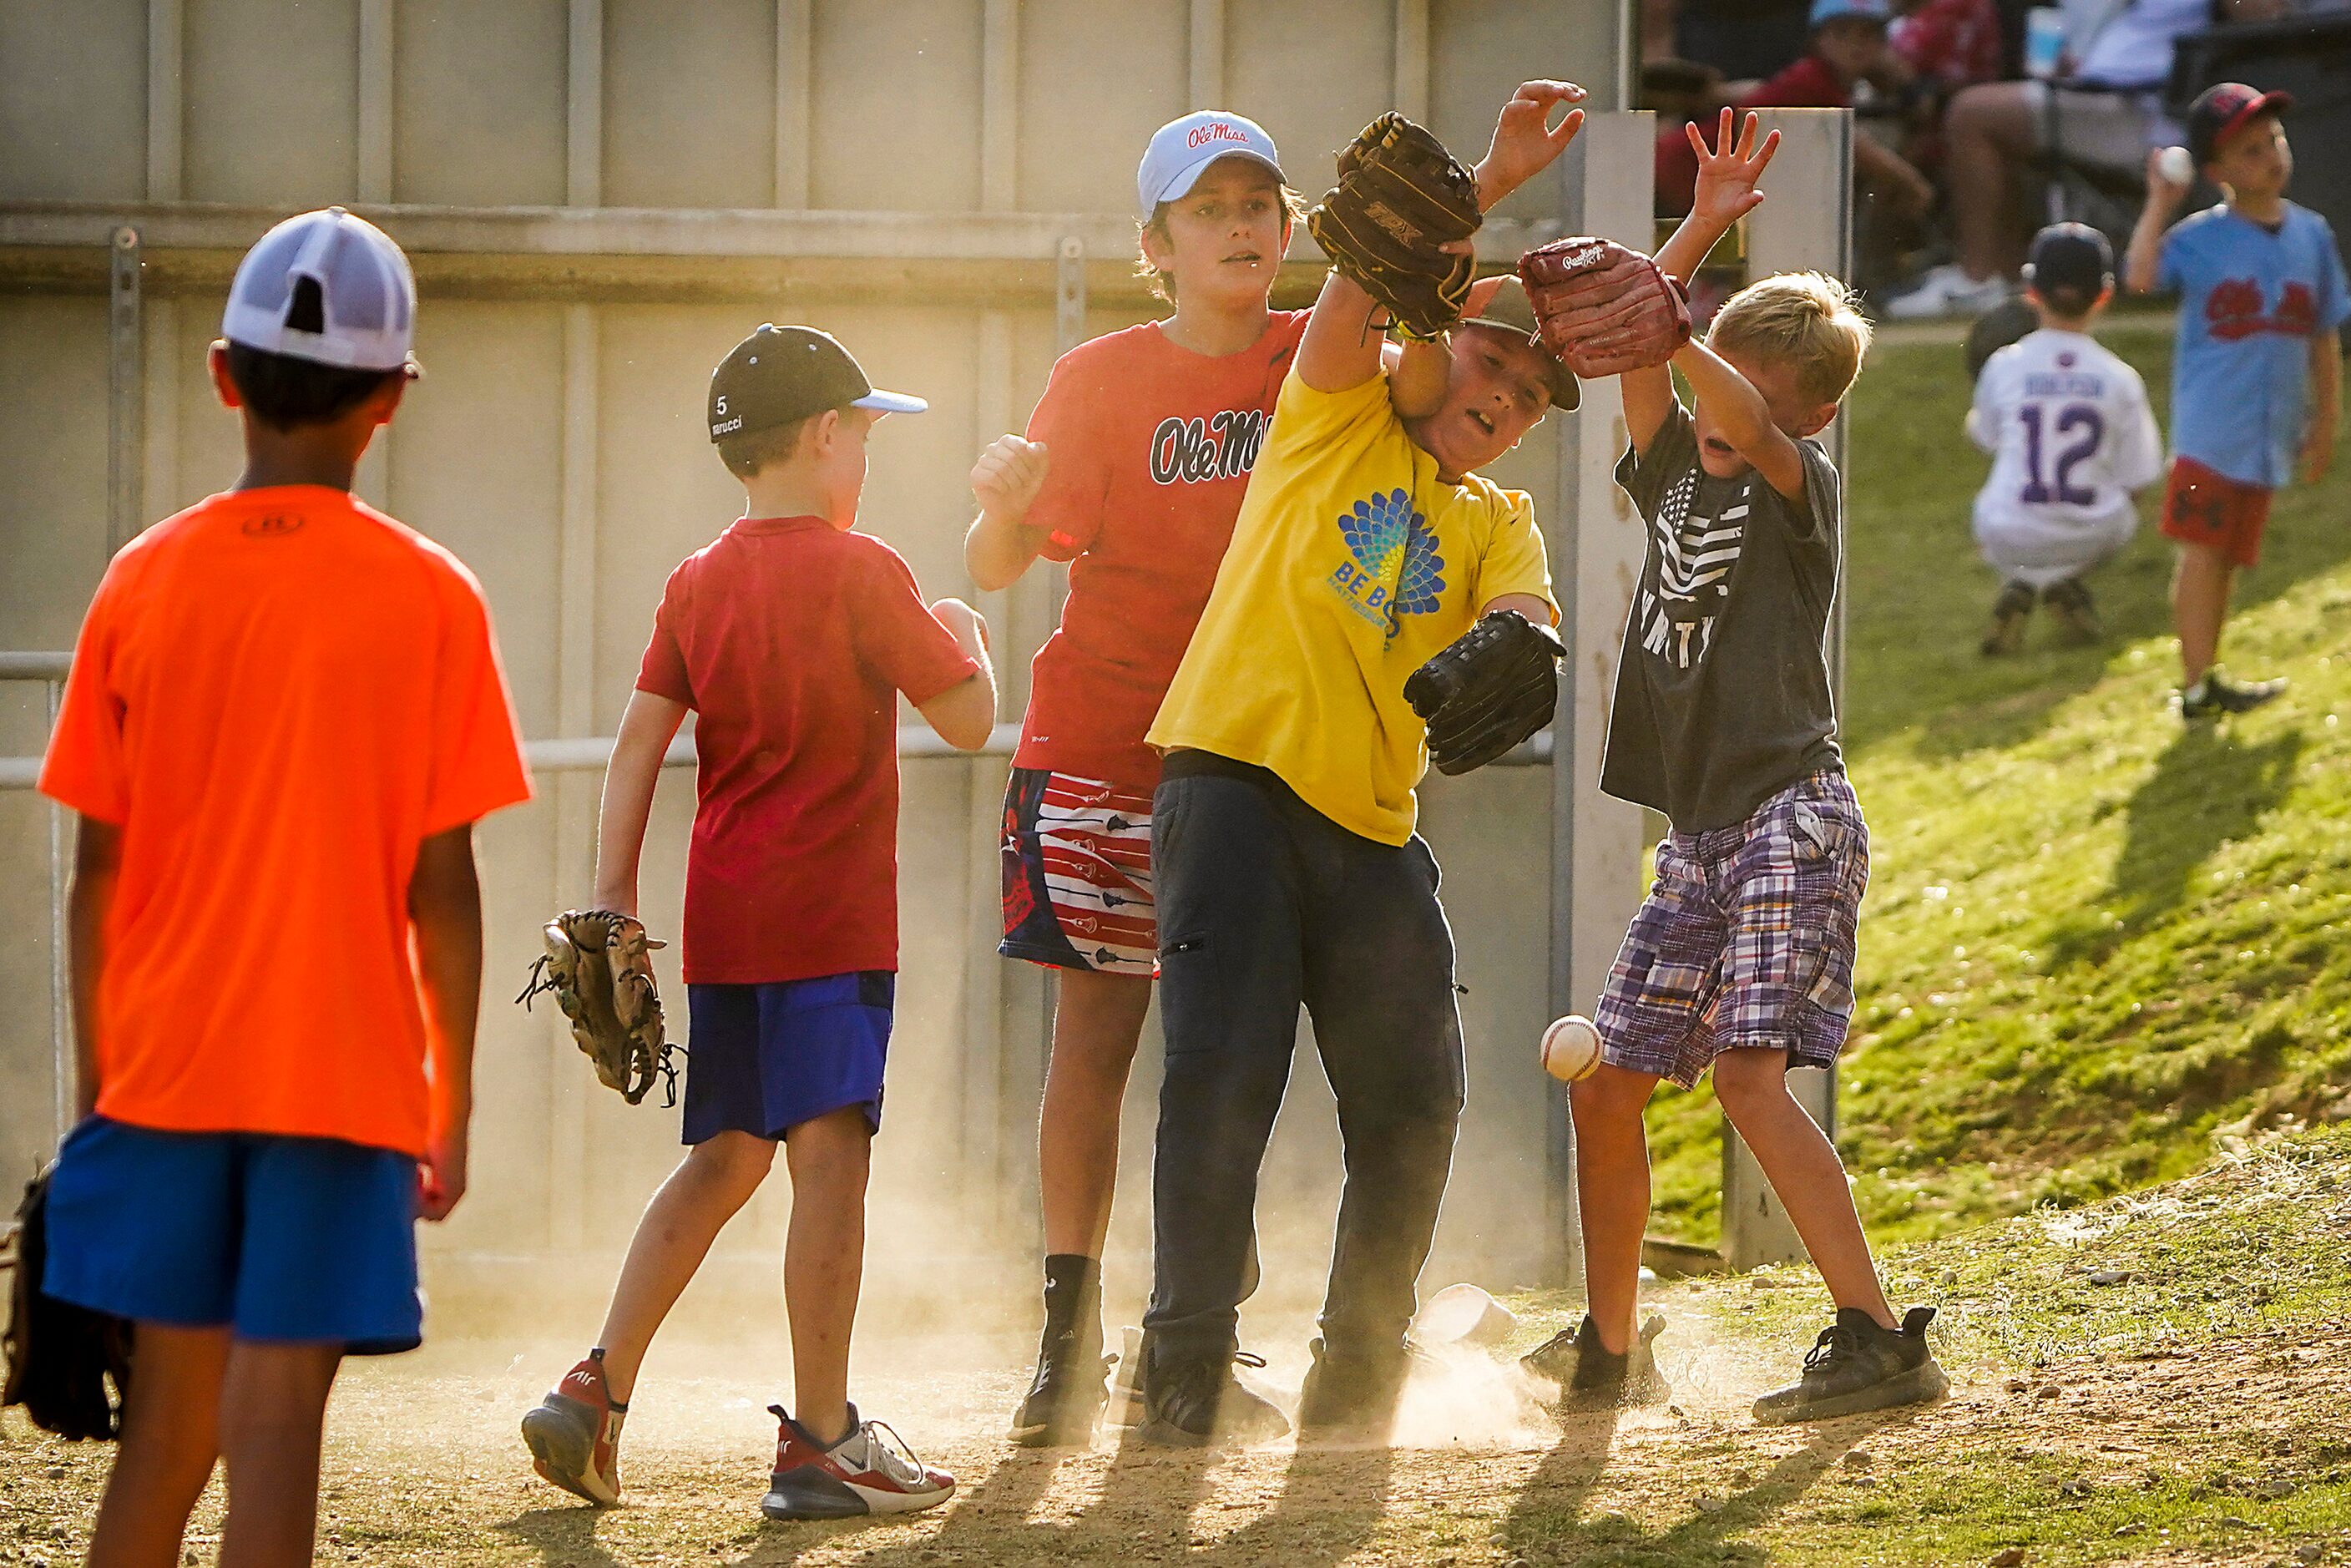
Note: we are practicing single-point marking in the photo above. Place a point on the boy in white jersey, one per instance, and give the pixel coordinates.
(2071, 437)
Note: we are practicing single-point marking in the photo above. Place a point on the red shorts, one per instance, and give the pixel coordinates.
(2221, 514)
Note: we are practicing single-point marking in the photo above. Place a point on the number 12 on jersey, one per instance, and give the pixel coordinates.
(2073, 417)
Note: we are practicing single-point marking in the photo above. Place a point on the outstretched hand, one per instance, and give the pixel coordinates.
(1730, 171)
(1525, 142)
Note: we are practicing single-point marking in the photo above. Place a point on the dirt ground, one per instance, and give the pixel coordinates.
(2226, 1451)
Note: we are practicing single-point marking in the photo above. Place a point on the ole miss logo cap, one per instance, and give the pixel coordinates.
(779, 374)
(2222, 110)
(1182, 150)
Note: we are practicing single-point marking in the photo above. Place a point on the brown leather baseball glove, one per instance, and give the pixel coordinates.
(1401, 196)
(1604, 309)
(599, 967)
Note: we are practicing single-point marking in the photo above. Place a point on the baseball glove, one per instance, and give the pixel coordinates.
(1400, 196)
(598, 966)
(1604, 309)
(1493, 688)
(60, 1356)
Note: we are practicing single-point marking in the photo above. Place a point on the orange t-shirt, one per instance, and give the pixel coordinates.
(277, 696)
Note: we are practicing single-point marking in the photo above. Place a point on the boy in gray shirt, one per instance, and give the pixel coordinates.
(1740, 959)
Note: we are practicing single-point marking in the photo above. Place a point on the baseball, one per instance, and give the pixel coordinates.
(1570, 1048)
(2174, 164)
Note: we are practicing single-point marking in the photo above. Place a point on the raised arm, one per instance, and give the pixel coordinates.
(1728, 174)
(1742, 418)
(1005, 482)
(1341, 350)
(2143, 259)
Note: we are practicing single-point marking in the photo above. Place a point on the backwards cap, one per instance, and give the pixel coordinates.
(366, 293)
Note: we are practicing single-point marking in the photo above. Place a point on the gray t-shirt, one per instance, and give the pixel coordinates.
(1722, 691)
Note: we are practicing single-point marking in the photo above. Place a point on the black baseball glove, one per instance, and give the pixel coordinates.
(1400, 197)
(1493, 687)
(60, 1356)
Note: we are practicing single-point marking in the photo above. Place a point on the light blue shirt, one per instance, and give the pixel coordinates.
(2249, 302)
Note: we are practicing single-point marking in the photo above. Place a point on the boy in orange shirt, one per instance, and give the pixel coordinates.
(790, 636)
(284, 715)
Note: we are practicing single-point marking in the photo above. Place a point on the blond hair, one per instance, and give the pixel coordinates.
(1808, 320)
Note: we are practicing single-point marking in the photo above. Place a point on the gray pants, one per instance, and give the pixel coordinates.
(1265, 905)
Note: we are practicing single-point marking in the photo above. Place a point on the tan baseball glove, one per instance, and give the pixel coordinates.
(598, 966)
(1604, 309)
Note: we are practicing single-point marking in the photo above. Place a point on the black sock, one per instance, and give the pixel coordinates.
(597, 1355)
(1073, 1293)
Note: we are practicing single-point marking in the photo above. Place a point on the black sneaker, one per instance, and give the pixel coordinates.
(2216, 695)
(1068, 1393)
(2010, 611)
(2078, 616)
(1856, 1366)
(1355, 1389)
(1192, 1404)
(1591, 1378)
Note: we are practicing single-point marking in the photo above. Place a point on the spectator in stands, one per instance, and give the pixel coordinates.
(1949, 44)
(2105, 110)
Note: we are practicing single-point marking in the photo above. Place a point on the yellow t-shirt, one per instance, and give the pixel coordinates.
(1351, 563)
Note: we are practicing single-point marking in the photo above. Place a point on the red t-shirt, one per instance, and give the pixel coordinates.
(1809, 83)
(1149, 448)
(277, 696)
(791, 639)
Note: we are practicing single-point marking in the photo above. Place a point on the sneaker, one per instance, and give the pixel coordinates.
(2078, 617)
(1945, 290)
(1856, 1366)
(1591, 1378)
(1355, 1389)
(872, 1470)
(2010, 611)
(2216, 695)
(574, 1435)
(1068, 1393)
(1194, 1404)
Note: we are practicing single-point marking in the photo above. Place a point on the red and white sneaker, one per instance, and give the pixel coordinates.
(575, 1434)
(872, 1470)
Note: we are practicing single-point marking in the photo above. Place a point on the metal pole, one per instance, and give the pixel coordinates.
(61, 1048)
(126, 396)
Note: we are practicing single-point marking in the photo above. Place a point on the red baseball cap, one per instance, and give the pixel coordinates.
(2224, 109)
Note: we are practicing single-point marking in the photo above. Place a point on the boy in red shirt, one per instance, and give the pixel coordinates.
(1133, 471)
(789, 637)
(284, 715)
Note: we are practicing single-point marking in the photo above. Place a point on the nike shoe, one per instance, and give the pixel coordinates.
(1856, 1366)
(1067, 1394)
(1593, 1377)
(574, 1435)
(2216, 695)
(872, 1470)
(1946, 290)
(2010, 611)
(1194, 1402)
(2078, 617)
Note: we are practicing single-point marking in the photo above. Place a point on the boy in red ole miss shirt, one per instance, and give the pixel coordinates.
(1133, 471)
(790, 638)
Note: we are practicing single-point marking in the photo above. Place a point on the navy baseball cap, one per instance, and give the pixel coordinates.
(2224, 109)
(2070, 258)
(779, 374)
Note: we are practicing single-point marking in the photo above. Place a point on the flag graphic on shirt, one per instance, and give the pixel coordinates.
(1696, 555)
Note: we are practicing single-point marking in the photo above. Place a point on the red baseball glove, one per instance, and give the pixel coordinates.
(1603, 308)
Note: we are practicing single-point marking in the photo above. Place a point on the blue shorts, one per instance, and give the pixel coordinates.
(309, 1239)
(763, 1059)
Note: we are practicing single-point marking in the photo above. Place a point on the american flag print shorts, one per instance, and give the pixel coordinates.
(1077, 874)
(1746, 939)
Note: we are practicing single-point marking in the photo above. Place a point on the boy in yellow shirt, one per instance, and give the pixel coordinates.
(1287, 869)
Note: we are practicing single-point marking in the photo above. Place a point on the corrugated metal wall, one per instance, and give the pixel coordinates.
(899, 172)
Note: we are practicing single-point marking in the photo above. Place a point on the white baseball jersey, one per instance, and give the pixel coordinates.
(2071, 437)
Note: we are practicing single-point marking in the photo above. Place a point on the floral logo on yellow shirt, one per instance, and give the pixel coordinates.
(1396, 570)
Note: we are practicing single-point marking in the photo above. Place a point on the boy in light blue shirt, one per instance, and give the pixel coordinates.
(2256, 372)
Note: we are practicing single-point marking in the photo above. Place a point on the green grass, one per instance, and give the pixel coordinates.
(2095, 938)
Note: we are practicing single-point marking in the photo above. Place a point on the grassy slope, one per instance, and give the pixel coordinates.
(2094, 936)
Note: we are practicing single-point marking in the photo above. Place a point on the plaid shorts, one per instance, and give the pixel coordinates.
(1745, 940)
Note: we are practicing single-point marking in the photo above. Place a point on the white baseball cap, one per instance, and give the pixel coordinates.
(366, 293)
(1182, 150)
